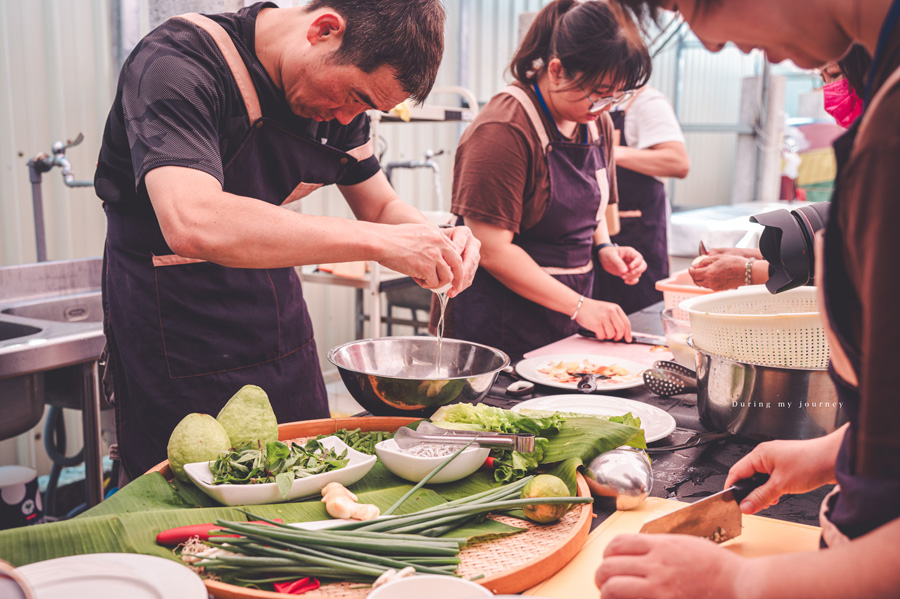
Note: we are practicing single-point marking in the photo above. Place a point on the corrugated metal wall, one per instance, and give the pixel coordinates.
(57, 78)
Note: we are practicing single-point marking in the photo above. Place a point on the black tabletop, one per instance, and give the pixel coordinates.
(687, 474)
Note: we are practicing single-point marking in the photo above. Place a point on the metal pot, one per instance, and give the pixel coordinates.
(764, 402)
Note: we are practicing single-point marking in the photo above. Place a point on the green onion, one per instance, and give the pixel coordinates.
(425, 480)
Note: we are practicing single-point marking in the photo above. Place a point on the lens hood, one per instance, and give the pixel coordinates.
(787, 243)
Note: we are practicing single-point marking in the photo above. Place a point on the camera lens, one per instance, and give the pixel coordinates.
(787, 243)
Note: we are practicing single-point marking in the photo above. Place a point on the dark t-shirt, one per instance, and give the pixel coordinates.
(177, 104)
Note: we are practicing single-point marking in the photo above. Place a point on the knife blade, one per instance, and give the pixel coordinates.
(717, 517)
(639, 338)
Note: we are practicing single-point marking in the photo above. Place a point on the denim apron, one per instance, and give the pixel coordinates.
(560, 242)
(643, 216)
(183, 334)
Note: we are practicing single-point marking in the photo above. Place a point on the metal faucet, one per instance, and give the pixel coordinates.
(428, 163)
(37, 166)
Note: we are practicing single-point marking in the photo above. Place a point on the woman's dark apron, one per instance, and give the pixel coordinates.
(859, 503)
(183, 334)
(560, 242)
(643, 217)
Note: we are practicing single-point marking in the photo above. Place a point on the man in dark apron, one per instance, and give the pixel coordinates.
(657, 152)
(217, 122)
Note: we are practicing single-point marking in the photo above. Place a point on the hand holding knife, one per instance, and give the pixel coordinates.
(717, 517)
(639, 338)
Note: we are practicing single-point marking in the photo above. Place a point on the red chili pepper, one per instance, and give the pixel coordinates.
(489, 462)
(176, 536)
(297, 587)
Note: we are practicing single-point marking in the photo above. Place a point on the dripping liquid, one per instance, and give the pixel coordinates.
(442, 299)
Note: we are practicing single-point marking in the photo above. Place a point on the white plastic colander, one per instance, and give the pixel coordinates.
(752, 326)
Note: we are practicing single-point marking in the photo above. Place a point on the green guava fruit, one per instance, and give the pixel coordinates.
(545, 485)
(248, 417)
(197, 438)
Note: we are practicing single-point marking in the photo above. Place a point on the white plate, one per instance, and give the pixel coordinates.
(112, 576)
(657, 424)
(528, 369)
(358, 467)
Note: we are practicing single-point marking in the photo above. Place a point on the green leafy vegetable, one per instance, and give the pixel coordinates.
(489, 418)
(558, 436)
(363, 442)
(277, 463)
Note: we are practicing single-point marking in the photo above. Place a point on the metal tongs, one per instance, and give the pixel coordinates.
(429, 433)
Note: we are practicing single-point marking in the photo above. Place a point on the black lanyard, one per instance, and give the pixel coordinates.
(890, 23)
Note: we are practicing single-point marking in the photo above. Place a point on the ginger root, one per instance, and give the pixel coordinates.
(341, 503)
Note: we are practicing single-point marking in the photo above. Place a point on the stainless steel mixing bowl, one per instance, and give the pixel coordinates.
(392, 376)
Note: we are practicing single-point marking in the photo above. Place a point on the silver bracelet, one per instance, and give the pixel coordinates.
(748, 271)
(577, 308)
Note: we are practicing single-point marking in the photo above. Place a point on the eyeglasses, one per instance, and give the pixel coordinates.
(609, 101)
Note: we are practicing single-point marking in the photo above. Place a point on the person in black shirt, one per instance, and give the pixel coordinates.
(217, 122)
(858, 290)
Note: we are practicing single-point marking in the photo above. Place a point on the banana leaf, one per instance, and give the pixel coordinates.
(129, 521)
(122, 533)
(586, 437)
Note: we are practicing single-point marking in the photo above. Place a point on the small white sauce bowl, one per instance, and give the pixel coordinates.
(414, 468)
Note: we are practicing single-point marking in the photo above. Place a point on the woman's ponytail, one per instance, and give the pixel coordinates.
(596, 42)
(535, 45)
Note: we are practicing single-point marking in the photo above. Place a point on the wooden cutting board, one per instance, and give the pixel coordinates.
(761, 536)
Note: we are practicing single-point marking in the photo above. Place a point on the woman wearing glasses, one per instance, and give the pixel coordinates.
(533, 176)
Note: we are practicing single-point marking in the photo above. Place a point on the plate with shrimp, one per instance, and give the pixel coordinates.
(564, 371)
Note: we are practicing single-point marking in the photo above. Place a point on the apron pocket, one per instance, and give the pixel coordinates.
(213, 318)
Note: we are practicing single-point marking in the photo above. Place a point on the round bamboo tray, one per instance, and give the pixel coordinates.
(509, 564)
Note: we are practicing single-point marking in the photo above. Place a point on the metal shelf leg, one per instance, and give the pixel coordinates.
(93, 461)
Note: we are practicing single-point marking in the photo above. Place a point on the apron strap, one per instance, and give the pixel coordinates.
(593, 132)
(842, 365)
(534, 116)
(232, 59)
(519, 94)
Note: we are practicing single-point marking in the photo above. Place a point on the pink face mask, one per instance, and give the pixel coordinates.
(841, 102)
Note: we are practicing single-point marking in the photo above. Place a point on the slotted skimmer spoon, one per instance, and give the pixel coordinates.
(668, 378)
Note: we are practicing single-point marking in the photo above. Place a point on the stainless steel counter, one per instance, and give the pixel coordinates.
(51, 323)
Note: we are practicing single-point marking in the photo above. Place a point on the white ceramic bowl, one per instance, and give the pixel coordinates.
(358, 467)
(415, 468)
(431, 586)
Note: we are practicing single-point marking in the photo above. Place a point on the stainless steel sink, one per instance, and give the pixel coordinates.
(50, 317)
(12, 330)
(71, 308)
(51, 336)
